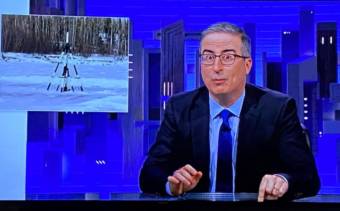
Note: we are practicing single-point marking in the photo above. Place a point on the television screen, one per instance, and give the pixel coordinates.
(64, 63)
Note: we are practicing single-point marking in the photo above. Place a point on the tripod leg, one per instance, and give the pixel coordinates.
(75, 70)
(55, 71)
(56, 68)
(78, 78)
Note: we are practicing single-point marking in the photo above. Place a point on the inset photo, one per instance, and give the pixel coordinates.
(64, 63)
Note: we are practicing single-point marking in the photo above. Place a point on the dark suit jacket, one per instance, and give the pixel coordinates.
(270, 141)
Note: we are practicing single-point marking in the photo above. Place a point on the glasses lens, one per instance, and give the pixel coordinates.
(208, 58)
(227, 59)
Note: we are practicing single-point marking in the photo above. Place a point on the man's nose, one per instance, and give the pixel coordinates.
(217, 66)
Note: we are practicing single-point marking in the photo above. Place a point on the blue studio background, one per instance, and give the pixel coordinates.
(101, 153)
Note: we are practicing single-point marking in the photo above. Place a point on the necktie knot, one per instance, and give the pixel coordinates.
(225, 114)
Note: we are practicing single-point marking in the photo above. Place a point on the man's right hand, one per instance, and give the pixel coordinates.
(184, 179)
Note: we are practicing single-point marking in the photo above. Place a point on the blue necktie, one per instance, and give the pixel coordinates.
(224, 174)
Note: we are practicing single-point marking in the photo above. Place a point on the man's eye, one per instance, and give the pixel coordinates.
(226, 57)
(209, 57)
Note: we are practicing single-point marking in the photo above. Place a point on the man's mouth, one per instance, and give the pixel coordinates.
(219, 80)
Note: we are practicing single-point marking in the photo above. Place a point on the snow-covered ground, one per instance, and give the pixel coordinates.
(24, 79)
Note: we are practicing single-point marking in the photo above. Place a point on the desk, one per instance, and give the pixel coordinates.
(190, 201)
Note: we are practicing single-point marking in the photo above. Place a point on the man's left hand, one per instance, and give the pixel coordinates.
(272, 187)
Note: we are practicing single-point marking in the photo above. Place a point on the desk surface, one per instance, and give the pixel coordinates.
(227, 197)
(223, 197)
(189, 201)
(219, 197)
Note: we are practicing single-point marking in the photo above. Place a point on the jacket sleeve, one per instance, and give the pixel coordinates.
(295, 154)
(160, 162)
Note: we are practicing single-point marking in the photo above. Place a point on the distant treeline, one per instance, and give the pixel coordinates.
(47, 34)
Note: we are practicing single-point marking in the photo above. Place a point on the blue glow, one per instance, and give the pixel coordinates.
(327, 162)
(13, 155)
(13, 128)
(191, 49)
(85, 156)
(274, 17)
(14, 7)
(77, 150)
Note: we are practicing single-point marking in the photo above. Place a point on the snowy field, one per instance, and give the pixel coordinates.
(24, 81)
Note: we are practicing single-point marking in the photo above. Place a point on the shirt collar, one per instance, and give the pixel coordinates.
(235, 108)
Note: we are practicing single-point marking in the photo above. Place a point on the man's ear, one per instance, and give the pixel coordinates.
(248, 64)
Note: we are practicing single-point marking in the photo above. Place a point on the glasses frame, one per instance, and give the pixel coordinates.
(232, 54)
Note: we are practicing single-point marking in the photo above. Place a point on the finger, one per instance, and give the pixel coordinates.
(281, 186)
(180, 190)
(190, 169)
(173, 180)
(283, 189)
(271, 197)
(175, 189)
(181, 178)
(174, 185)
(275, 192)
(199, 175)
(262, 189)
(270, 184)
(187, 175)
(277, 186)
(278, 182)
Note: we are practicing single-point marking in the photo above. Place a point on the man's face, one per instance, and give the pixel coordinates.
(222, 80)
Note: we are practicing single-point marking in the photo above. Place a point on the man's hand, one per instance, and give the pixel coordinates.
(184, 179)
(272, 187)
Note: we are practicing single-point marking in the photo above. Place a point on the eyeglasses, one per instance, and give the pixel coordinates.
(225, 58)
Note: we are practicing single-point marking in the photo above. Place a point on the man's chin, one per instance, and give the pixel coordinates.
(220, 92)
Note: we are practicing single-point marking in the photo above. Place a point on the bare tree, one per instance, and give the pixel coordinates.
(47, 34)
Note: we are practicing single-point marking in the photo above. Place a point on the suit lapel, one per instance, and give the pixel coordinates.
(248, 119)
(200, 133)
(247, 128)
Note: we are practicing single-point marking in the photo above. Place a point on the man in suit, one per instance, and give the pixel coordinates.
(258, 130)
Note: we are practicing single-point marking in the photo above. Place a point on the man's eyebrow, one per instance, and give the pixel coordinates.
(228, 50)
(224, 51)
(207, 51)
